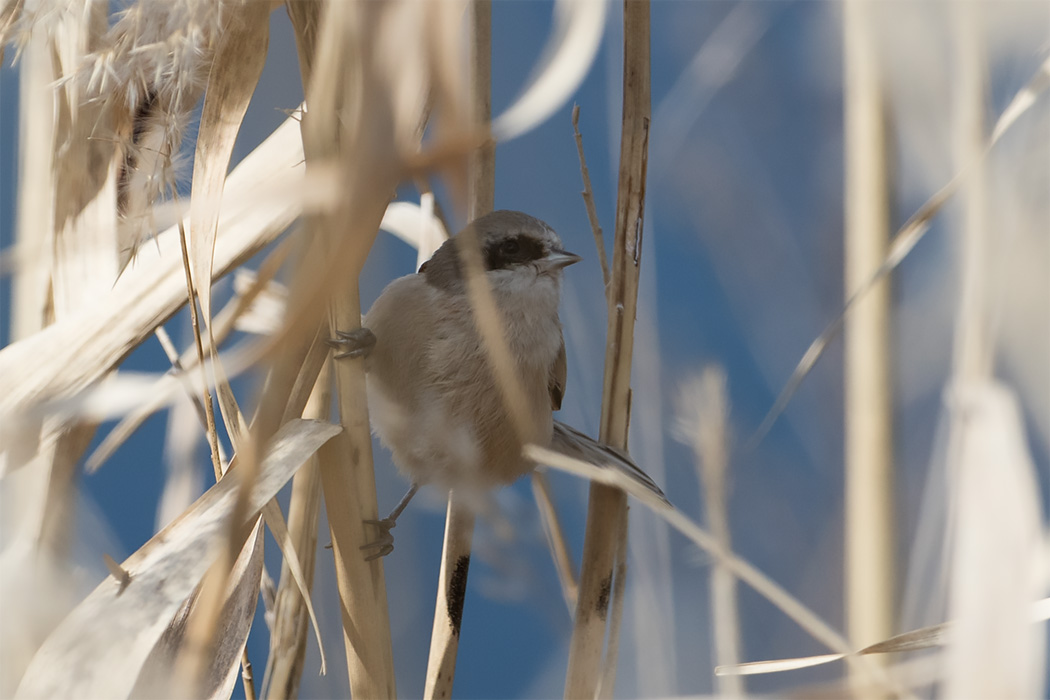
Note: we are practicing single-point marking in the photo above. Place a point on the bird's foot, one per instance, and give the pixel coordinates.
(356, 343)
(384, 544)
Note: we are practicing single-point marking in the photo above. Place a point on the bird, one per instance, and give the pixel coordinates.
(433, 398)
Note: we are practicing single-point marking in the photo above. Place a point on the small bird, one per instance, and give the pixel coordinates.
(433, 398)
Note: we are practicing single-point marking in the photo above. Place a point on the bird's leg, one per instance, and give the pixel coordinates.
(384, 544)
(356, 343)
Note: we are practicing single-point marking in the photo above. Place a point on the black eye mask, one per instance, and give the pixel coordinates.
(516, 250)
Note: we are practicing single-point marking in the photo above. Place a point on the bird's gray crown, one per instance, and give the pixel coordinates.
(507, 239)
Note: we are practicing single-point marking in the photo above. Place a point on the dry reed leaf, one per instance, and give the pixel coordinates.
(763, 585)
(238, 64)
(416, 225)
(570, 51)
(266, 311)
(275, 521)
(556, 542)
(236, 428)
(157, 676)
(758, 668)
(225, 322)
(925, 638)
(284, 665)
(99, 648)
(993, 650)
(1024, 99)
(69, 355)
(183, 480)
(931, 637)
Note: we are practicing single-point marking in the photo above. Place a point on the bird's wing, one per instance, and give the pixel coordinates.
(573, 443)
(556, 381)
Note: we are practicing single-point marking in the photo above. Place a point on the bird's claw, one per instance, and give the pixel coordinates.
(356, 343)
(384, 544)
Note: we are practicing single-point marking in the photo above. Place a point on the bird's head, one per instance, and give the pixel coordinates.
(515, 249)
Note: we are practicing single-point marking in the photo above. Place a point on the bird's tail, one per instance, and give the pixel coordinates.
(573, 443)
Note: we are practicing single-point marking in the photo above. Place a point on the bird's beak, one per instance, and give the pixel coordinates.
(558, 258)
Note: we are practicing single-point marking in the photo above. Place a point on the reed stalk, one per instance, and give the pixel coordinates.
(608, 506)
(868, 410)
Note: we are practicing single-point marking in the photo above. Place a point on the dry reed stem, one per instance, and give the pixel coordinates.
(75, 205)
(973, 347)
(588, 201)
(481, 165)
(198, 344)
(556, 542)
(868, 401)
(193, 657)
(365, 140)
(36, 213)
(459, 520)
(29, 302)
(608, 506)
(247, 678)
(607, 682)
(452, 591)
(710, 441)
(288, 635)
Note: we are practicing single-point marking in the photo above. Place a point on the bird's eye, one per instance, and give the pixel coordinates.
(511, 246)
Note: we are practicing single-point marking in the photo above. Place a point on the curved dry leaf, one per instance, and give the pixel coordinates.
(618, 478)
(1022, 100)
(234, 74)
(265, 314)
(71, 354)
(924, 638)
(757, 668)
(156, 679)
(578, 26)
(416, 226)
(996, 546)
(275, 521)
(98, 649)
